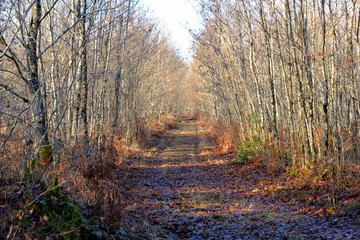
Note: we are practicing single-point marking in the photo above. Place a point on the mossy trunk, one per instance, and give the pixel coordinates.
(46, 154)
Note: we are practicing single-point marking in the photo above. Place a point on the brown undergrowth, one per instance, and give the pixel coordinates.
(113, 193)
(89, 185)
(186, 188)
(315, 185)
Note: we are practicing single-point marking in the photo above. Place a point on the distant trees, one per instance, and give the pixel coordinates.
(79, 73)
(286, 71)
(96, 73)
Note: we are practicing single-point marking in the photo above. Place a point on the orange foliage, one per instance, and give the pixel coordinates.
(12, 158)
(226, 142)
(225, 138)
(164, 123)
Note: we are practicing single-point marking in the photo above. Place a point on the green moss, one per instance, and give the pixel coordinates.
(58, 216)
(46, 154)
(153, 149)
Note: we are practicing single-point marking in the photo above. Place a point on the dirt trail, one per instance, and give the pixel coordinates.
(179, 192)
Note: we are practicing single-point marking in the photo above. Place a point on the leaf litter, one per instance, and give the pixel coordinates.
(181, 189)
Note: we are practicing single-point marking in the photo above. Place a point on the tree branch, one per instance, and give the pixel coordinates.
(25, 100)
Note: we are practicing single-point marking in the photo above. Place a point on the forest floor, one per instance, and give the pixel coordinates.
(180, 190)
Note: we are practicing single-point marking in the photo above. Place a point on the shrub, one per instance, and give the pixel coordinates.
(58, 215)
(248, 150)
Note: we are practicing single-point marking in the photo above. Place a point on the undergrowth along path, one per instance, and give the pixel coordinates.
(182, 191)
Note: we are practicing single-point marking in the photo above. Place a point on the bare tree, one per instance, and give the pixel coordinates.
(287, 76)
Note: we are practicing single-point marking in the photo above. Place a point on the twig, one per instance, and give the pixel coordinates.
(43, 193)
(69, 231)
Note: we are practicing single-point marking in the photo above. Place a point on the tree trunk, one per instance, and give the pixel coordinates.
(43, 143)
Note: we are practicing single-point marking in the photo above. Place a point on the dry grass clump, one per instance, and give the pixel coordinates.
(225, 137)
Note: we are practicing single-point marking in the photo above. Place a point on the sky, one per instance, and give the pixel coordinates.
(176, 18)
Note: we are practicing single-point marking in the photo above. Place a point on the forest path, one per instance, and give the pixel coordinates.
(180, 191)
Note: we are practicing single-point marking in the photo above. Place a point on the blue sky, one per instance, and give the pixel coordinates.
(176, 18)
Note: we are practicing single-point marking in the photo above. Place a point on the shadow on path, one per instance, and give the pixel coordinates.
(182, 193)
